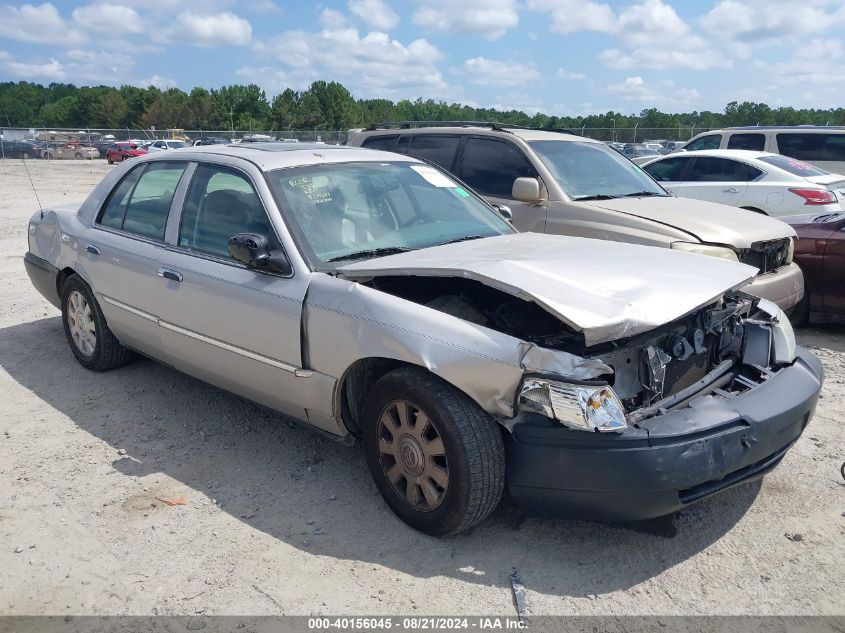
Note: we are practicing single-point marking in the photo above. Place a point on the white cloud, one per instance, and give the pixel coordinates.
(487, 18)
(666, 94)
(562, 73)
(40, 24)
(374, 63)
(210, 29)
(663, 58)
(375, 13)
(51, 69)
(273, 80)
(571, 16)
(108, 18)
(489, 72)
(759, 20)
(162, 83)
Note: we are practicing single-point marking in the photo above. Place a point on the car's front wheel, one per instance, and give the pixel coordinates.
(87, 332)
(436, 457)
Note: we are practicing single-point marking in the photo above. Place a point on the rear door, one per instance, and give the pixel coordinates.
(122, 260)
(715, 180)
(490, 166)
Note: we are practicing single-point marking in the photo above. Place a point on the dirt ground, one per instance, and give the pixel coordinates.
(279, 521)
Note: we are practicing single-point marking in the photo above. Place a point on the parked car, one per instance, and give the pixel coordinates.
(757, 181)
(69, 151)
(820, 251)
(118, 152)
(103, 147)
(165, 144)
(821, 146)
(19, 149)
(640, 155)
(375, 298)
(212, 140)
(560, 183)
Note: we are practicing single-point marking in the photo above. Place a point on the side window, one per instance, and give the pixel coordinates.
(669, 170)
(711, 141)
(220, 203)
(717, 170)
(754, 141)
(141, 202)
(812, 147)
(438, 149)
(491, 166)
(386, 143)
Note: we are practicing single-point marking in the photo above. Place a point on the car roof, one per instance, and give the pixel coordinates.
(503, 131)
(269, 156)
(782, 128)
(746, 154)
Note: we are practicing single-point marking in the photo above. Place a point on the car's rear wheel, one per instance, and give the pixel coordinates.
(78, 156)
(25, 155)
(109, 160)
(87, 332)
(436, 457)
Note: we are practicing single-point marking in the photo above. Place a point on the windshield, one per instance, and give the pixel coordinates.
(177, 144)
(349, 211)
(794, 166)
(590, 170)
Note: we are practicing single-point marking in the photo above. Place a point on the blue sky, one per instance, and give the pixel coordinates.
(555, 56)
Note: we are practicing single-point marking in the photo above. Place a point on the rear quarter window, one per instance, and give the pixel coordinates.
(812, 147)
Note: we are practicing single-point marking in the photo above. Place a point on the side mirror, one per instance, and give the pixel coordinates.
(254, 251)
(505, 211)
(526, 190)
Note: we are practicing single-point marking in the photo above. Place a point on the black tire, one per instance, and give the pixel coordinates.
(108, 353)
(473, 448)
(25, 155)
(109, 161)
(78, 156)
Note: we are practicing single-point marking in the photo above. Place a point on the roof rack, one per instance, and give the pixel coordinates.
(495, 125)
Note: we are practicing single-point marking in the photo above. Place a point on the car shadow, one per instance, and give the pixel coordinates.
(316, 494)
(829, 336)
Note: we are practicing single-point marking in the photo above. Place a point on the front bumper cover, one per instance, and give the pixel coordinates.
(666, 462)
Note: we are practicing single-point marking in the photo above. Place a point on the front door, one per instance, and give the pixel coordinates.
(233, 326)
(490, 166)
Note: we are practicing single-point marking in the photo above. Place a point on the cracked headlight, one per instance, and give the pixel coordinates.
(582, 407)
(722, 252)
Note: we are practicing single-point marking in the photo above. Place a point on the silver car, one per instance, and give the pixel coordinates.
(373, 297)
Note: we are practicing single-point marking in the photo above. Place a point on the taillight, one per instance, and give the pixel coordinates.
(815, 196)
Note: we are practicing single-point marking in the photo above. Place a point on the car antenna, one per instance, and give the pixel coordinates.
(28, 175)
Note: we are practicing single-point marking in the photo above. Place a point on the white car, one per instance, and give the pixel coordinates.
(759, 181)
(165, 144)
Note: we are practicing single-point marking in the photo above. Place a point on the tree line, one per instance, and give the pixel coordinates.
(325, 106)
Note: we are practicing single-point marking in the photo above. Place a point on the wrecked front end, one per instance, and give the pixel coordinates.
(633, 428)
(692, 408)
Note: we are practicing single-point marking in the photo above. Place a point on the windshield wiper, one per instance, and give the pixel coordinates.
(372, 252)
(465, 238)
(598, 196)
(642, 194)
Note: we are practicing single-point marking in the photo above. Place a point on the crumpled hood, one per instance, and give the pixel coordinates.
(607, 290)
(708, 221)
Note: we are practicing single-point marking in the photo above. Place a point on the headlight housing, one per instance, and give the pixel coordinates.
(784, 347)
(722, 252)
(578, 406)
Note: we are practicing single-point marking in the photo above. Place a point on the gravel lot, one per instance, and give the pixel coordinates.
(279, 521)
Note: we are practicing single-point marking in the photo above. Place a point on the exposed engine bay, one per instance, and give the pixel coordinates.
(725, 346)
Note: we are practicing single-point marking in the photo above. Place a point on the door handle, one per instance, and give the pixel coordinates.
(92, 249)
(172, 275)
(731, 190)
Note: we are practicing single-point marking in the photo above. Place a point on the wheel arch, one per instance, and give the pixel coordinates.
(357, 382)
(755, 210)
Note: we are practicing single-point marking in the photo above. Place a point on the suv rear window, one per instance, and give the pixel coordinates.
(754, 141)
(439, 149)
(794, 166)
(711, 141)
(804, 146)
(386, 143)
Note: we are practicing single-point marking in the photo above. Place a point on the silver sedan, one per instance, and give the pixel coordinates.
(375, 298)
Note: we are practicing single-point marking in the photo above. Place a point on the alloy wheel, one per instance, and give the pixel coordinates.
(412, 455)
(80, 320)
